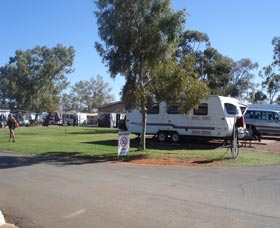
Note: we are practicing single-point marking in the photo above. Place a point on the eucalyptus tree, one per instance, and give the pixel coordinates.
(276, 50)
(242, 75)
(138, 36)
(178, 84)
(33, 79)
(223, 75)
(276, 57)
(271, 75)
(87, 95)
(271, 82)
(193, 42)
(257, 96)
(8, 88)
(211, 66)
(216, 70)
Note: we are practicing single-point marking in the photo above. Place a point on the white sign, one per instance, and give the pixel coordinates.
(2, 219)
(123, 145)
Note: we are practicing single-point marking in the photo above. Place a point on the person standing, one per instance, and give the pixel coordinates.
(11, 125)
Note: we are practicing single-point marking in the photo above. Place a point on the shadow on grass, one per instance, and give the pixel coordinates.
(92, 131)
(110, 142)
(13, 160)
(60, 158)
(153, 144)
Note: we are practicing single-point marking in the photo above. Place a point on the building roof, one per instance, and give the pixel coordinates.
(115, 107)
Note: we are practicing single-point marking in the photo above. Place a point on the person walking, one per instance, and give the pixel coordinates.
(11, 125)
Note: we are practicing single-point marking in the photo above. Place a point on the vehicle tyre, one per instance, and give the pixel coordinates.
(161, 137)
(175, 137)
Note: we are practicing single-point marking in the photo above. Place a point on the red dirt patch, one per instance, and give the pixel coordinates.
(169, 161)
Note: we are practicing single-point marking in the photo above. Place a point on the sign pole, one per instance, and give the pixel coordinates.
(234, 146)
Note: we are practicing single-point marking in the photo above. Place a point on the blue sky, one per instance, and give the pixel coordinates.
(236, 28)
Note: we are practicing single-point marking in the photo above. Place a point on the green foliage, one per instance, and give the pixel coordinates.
(276, 50)
(85, 95)
(271, 76)
(178, 85)
(223, 75)
(271, 82)
(216, 71)
(242, 78)
(33, 79)
(136, 34)
(7, 86)
(258, 96)
(193, 42)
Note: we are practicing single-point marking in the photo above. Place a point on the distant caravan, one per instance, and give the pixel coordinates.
(213, 118)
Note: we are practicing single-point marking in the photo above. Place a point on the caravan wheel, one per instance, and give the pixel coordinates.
(161, 137)
(175, 137)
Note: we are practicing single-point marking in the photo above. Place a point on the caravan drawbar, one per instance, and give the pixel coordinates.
(213, 118)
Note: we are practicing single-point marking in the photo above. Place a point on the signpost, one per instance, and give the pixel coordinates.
(234, 146)
(123, 144)
(234, 142)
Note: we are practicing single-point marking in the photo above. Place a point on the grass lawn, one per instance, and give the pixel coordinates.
(102, 143)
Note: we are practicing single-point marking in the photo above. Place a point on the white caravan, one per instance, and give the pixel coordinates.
(214, 117)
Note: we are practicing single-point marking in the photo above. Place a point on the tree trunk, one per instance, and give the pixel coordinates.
(142, 145)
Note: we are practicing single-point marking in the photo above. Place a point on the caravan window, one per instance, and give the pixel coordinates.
(173, 109)
(202, 110)
(231, 109)
(154, 109)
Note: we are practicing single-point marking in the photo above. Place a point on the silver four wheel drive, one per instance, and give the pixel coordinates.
(263, 121)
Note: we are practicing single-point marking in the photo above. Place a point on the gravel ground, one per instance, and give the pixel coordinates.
(267, 144)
